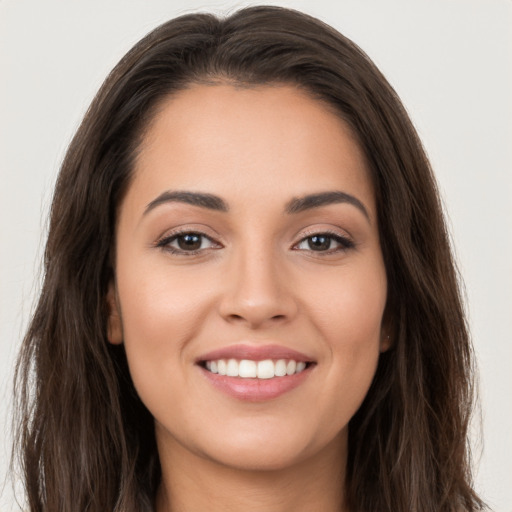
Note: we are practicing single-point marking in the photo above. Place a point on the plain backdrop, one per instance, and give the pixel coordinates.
(449, 60)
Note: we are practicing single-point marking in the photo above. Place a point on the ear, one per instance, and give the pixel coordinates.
(385, 342)
(387, 332)
(114, 324)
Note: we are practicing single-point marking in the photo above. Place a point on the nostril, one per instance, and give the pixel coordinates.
(256, 311)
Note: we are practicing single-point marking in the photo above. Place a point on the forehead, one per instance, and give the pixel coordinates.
(260, 142)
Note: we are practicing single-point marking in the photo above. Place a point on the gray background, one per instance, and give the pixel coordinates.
(449, 60)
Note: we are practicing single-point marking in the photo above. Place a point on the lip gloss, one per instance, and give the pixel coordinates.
(253, 389)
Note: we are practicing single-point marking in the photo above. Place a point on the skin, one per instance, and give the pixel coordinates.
(255, 279)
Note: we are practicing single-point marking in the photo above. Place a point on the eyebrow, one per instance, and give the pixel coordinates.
(295, 205)
(209, 201)
(300, 204)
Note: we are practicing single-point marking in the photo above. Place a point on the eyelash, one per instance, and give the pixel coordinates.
(344, 243)
(165, 242)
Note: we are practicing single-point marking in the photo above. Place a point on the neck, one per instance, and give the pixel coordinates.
(191, 483)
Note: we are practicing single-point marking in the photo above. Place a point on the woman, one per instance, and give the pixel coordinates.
(249, 296)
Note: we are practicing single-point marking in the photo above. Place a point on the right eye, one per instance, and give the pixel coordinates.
(187, 243)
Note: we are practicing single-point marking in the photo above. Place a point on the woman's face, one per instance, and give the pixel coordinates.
(247, 244)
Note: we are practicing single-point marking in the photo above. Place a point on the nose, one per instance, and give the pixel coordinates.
(257, 293)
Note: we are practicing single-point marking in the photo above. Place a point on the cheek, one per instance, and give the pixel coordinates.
(348, 312)
(163, 300)
(161, 312)
(347, 305)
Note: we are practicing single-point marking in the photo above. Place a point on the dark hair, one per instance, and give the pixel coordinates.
(86, 441)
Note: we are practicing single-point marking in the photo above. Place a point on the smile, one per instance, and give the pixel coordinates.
(249, 369)
(256, 373)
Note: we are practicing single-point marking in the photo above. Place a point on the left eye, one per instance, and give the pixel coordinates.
(324, 242)
(187, 242)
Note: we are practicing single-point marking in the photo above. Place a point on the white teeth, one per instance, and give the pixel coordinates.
(221, 367)
(232, 368)
(266, 369)
(247, 369)
(280, 370)
(290, 367)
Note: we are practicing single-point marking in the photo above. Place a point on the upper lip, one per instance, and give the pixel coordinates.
(254, 353)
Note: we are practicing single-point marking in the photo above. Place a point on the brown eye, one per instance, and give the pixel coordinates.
(189, 241)
(325, 242)
(319, 242)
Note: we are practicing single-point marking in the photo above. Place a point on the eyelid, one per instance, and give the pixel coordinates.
(327, 230)
(193, 227)
(164, 241)
(344, 240)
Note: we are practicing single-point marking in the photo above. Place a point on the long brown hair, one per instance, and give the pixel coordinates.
(85, 440)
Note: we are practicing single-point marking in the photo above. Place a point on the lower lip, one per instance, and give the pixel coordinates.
(256, 390)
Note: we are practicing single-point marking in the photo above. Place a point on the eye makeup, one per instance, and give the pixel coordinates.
(191, 242)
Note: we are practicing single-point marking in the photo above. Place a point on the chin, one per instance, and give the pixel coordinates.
(269, 451)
